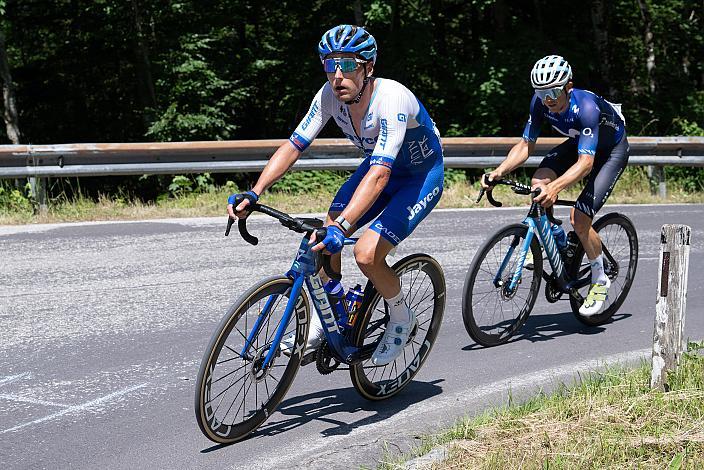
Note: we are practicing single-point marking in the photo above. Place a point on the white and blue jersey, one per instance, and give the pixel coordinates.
(396, 132)
(589, 119)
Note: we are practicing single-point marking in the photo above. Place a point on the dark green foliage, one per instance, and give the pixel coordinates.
(299, 182)
(128, 71)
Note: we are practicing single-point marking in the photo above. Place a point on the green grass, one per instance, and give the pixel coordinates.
(608, 420)
(632, 188)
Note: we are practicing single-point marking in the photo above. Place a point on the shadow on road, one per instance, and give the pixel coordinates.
(553, 325)
(322, 405)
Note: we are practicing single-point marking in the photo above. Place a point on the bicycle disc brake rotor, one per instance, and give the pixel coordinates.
(256, 371)
(506, 292)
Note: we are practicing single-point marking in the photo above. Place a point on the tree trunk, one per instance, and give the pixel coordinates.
(601, 41)
(147, 95)
(539, 15)
(358, 15)
(8, 96)
(649, 45)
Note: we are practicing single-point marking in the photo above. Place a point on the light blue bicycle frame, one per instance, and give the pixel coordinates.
(540, 224)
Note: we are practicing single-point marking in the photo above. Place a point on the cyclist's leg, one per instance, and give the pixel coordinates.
(600, 183)
(597, 189)
(343, 197)
(339, 202)
(412, 200)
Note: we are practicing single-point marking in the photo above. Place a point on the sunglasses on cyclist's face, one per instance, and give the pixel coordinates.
(552, 93)
(345, 64)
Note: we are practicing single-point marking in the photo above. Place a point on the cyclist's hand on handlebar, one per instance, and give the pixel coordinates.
(547, 196)
(332, 242)
(246, 198)
(486, 178)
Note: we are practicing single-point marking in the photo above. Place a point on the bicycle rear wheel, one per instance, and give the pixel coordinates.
(423, 285)
(235, 394)
(620, 247)
(490, 312)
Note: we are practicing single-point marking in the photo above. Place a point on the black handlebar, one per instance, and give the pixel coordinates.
(297, 224)
(518, 188)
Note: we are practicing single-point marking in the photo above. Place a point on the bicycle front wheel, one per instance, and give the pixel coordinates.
(423, 285)
(620, 249)
(235, 393)
(492, 312)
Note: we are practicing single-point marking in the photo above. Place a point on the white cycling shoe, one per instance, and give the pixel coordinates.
(394, 340)
(598, 293)
(315, 337)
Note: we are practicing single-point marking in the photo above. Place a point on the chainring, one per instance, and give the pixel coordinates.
(553, 293)
(324, 360)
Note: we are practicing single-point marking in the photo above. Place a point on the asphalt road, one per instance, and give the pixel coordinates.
(103, 326)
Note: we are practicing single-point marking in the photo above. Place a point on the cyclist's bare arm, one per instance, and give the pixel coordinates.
(575, 173)
(279, 163)
(517, 156)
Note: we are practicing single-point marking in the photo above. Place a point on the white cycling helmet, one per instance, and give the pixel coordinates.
(550, 72)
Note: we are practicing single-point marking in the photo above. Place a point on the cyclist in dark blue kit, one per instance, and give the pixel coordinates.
(596, 148)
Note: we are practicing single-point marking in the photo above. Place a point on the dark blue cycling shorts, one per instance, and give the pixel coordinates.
(405, 201)
(607, 169)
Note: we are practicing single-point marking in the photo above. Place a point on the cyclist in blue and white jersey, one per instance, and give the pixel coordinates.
(396, 186)
(596, 148)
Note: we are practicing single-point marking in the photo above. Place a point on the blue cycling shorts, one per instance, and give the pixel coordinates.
(405, 201)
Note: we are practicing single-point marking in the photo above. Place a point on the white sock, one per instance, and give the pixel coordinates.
(315, 329)
(598, 275)
(398, 310)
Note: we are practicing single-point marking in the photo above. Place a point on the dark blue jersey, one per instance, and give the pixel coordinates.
(589, 119)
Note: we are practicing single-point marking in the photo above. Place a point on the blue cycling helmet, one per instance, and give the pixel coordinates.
(348, 38)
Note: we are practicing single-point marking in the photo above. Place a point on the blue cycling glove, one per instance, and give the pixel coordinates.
(334, 240)
(251, 196)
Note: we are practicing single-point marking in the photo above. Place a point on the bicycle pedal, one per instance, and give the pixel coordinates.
(308, 358)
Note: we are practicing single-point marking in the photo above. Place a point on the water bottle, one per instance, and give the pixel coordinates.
(354, 301)
(572, 242)
(336, 294)
(560, 237)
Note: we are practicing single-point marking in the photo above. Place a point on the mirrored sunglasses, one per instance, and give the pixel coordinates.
(552, 93)
(345, 64)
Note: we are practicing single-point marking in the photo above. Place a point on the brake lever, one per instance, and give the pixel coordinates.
(320, 234)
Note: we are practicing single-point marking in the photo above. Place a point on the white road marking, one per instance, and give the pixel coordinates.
(301, 452)
(13, 378)
(36, 401)
(75, 408)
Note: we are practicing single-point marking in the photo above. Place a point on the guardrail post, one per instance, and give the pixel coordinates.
(670, 306)
(38, 191)
(656, 173)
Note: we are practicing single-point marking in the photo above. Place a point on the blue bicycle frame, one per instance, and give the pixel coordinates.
(537, 222)
(305, 269)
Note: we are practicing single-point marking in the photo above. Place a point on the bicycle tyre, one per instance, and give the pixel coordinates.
(622, 287)
(372, 381)
(473, 300)
(217, 428)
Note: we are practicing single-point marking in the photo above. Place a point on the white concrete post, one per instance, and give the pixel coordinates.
(668, 338)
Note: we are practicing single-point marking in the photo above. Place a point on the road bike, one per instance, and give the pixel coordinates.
(502, 282)
(245, 372)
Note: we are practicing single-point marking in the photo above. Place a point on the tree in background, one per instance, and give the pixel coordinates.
(116, 71)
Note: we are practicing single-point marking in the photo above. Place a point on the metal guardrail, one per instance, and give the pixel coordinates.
(21, 161)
